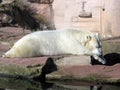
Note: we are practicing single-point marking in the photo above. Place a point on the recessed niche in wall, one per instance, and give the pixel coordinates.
(84, 13)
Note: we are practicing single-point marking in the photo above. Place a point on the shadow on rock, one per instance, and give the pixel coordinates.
(49, 67)
(111, 59)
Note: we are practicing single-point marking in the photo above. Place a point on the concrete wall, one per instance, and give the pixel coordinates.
(105, 15)
(114, 12)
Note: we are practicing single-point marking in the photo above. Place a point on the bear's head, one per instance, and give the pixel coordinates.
(93, 43)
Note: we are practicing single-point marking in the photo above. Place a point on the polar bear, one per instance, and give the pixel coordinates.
(58, 42)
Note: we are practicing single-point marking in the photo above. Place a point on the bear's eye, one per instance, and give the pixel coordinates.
(88, 37)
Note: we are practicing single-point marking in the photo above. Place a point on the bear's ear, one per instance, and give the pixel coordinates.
(86, 40)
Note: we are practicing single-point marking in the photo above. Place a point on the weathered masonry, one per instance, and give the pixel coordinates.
(100, 16)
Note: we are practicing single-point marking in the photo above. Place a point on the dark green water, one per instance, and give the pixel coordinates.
(14, 84)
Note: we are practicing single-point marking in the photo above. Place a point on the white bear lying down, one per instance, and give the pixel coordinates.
(58, 42)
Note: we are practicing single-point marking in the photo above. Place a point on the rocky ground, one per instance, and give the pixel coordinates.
(70, 67)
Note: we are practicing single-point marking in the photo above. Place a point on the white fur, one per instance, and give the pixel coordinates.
(56, 42)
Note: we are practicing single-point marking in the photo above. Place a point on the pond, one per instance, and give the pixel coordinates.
(17, 84)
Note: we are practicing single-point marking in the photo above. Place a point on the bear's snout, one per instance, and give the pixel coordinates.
(97, 51)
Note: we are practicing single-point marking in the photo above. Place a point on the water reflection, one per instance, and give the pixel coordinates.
(13, 84)
(96, 87)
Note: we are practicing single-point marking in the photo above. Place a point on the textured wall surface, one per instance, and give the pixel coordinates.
(105, 15)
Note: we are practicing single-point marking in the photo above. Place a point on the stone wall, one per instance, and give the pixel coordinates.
(114, 11)
(100, 16)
